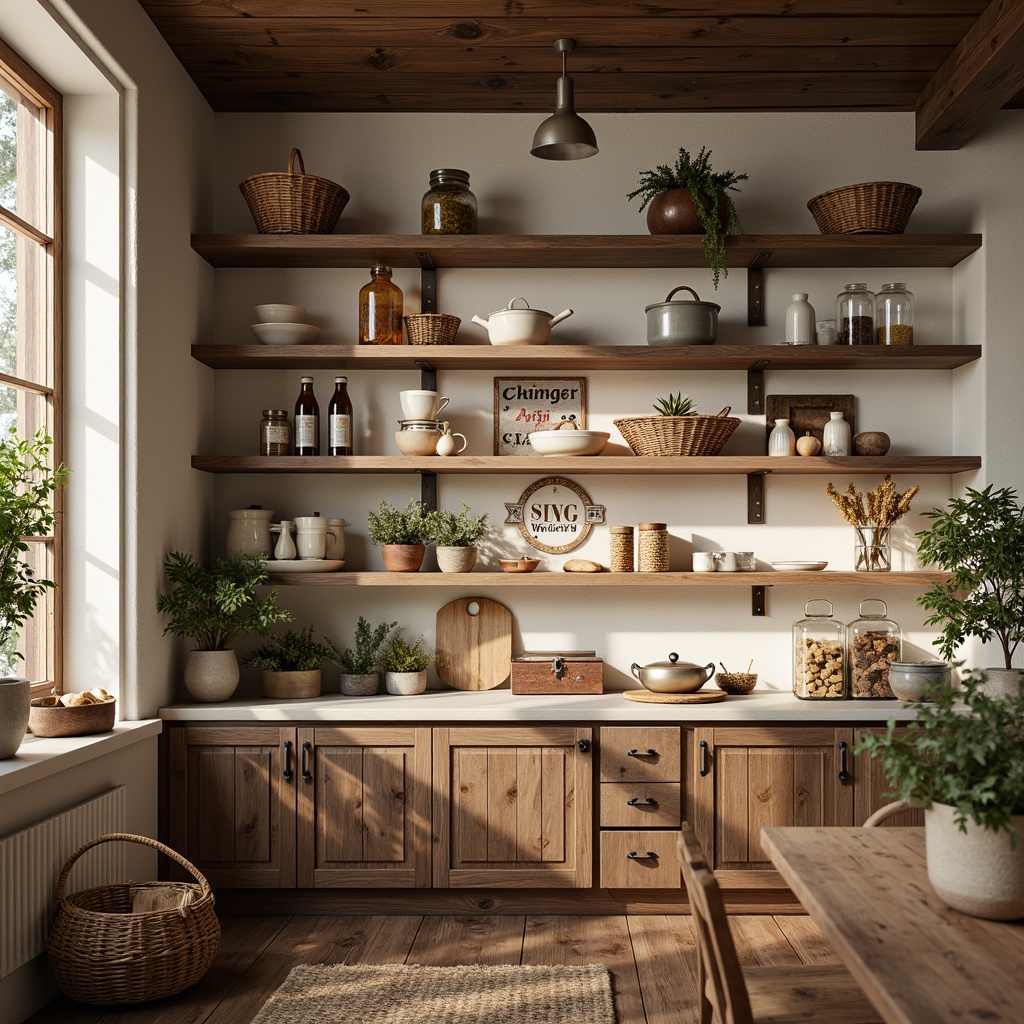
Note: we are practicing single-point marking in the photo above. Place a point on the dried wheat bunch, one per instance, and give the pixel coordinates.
(881, 507)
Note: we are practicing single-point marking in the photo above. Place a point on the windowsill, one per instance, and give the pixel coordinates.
(39, 757)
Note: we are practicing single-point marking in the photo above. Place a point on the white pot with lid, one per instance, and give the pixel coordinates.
(520, 326)
(249, 531)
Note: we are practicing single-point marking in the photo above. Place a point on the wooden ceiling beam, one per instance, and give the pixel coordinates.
(984, 72)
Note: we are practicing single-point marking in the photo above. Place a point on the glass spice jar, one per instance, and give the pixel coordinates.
(620, 557)
(275, 432)
(855, 315)
(448, 207)
(819, 655)
(874, 642)
(895, 315)
(652, 547)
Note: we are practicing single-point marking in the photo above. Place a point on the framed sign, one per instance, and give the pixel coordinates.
(523, 404)
(554, 515)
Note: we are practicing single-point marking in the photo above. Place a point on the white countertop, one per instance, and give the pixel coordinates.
(501, 705)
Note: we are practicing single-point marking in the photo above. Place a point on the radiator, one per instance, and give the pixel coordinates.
(31, 862)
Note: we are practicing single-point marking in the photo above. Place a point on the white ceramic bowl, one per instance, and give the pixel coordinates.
(280, 313)
(286, 334)
(569, 442)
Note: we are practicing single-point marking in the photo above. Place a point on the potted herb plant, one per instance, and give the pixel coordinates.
(689, 199)
(455, 535)
(405, 665)
(27, 484)
(359, 665)
(291, 663)
(978, 540)
(214, 605)
(962, 759)
(401, 534)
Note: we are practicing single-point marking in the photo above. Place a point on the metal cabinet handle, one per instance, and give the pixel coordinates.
(306, 748)
(704, 768)
(649, 855)
(646, 802)
(844, 775)
(649, 752)
(288, 760)
(584, 746)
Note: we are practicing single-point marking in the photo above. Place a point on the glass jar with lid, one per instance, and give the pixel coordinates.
(819, 654)
(874, 642)
(855, 315)
(448, 207)
(894, 315)
(275, 432)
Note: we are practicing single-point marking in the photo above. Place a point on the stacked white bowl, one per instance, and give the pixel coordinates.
(282, 324)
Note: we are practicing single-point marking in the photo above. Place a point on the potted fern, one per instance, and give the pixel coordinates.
(455, 535)
(689, 198)
(405, 665)
(291, 663)
(360, 675)
(401, 534)
(678, 429)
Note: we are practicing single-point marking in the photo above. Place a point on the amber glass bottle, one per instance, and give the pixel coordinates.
(380, 310)
(339, 420)
(307, 420)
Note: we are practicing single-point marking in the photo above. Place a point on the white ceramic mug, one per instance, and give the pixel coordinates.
(725, 561)
(311, 537)
(703, 561)
(422, 405)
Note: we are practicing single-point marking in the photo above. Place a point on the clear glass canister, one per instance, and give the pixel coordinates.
(275, 432)
(449, 207)
(875, 642)
(819, 655)
(855, 315)
(894, 315)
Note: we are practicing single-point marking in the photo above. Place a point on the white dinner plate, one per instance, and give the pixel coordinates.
(304, 565)
(799, 566)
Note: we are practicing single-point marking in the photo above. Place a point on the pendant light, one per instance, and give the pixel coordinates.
(564, 135)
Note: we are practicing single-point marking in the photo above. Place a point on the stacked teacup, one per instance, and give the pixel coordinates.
(420, 431)
(282, 324)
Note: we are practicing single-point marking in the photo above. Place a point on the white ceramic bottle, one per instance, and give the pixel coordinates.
(782, 440)
(836, 436)
(800, 321)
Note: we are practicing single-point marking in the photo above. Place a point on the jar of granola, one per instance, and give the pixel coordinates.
(819, 655)
(874, 643)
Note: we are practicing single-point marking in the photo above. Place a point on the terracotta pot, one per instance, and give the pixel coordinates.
(675, 213)
(456, 559)
(288, 685)
(15, 702)
(360, 684)
(405, 684)
(211, 676)
(402, 557)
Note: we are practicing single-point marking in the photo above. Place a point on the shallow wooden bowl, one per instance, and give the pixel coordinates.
(518, 564)
(48, 718)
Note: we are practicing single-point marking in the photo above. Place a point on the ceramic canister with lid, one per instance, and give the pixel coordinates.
(249, 531)
(874, 641)
(819, 655)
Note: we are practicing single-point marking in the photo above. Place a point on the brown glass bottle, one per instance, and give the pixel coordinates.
(339, 420)
(380, 310)
(307, 420)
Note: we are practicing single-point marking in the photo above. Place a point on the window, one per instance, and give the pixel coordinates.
(30, 328)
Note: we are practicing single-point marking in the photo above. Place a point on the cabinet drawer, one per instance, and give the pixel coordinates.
(621, 871)
(640, 754)
(640, 804)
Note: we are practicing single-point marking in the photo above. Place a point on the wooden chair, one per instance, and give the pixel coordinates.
(731, 994)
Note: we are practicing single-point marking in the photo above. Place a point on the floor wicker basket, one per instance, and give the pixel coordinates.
(677, 435)
(102, 952)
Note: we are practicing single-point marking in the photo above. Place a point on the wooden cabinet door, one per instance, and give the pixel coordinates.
(512, 807)
(364, 807)
(870, 789)
(232, 803)
(755, 776)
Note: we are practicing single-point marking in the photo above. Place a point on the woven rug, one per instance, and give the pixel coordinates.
(399, 994)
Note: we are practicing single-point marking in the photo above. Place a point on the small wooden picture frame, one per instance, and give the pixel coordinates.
(525, 404)
(808, 413)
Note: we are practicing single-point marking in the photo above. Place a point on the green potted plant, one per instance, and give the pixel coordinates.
(291, 663)
(689, 198)
(962, 759)
(27, 484)
(359, 664)
(978, 540)
(455, 535)
(405, 665)
(214, 605)
(401, 534)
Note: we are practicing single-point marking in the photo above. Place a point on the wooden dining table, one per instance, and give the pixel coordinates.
(918, 961)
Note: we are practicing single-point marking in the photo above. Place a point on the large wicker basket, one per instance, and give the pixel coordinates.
(103, 953)
(870, 208)
(432, 328)
(677, 435)
(293, 204)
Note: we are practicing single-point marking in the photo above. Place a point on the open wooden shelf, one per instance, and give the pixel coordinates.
(502, 358)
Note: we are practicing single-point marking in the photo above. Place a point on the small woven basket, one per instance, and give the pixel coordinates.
(870, 208)
(677, 435)
(432, 328)
(293, 203)
(736, 682)
(101, 952)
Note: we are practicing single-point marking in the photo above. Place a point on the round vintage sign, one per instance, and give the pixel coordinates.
(554, 515)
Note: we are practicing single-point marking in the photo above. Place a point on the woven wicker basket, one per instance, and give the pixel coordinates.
(293, 204)
(870, 208)
(677, 435)
(102, 953)
(432, 328)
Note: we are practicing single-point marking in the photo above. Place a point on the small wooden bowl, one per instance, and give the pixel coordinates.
(48, 718)
(736, 682)
(518, 564)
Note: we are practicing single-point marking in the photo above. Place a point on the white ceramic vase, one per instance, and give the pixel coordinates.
(977, 873)
(211, 676)
(782, 440)
(800, 321)
(456, 559)
(355, 684)
(405, 684)
(835, 438)
(15, 700)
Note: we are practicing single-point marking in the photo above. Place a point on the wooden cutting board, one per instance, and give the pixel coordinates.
(474, 652)
(700, 697)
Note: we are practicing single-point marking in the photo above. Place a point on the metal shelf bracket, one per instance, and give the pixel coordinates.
(428, 375)
(755, 499)
(428, 490)
(428, 284)
(755, 288)
(755, 387)
(757, 601)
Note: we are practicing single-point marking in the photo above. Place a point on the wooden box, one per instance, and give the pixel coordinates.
(557, 672)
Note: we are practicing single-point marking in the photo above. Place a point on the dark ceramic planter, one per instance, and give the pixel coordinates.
(675, 213)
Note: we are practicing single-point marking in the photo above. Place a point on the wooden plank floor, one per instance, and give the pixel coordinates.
(652, 959)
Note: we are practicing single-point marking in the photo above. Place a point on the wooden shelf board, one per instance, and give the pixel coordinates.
(612, 465)
(585, 357)
(613, 251)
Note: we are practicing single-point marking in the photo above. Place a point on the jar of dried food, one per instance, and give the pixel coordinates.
(620, 558)
(819, 655)
(449, 207)
(652, 547)
(275, 432)
(894, 315)
(855, 315)
(874, 642)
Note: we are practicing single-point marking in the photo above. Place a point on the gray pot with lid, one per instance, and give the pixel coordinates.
(682, 321)
(672, 676)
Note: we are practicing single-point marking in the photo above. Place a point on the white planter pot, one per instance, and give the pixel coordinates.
(1001, 682)
(211, 676)
(405, 684)
(15, 700)
(977, 873)
(360, 684)
(456, 559)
